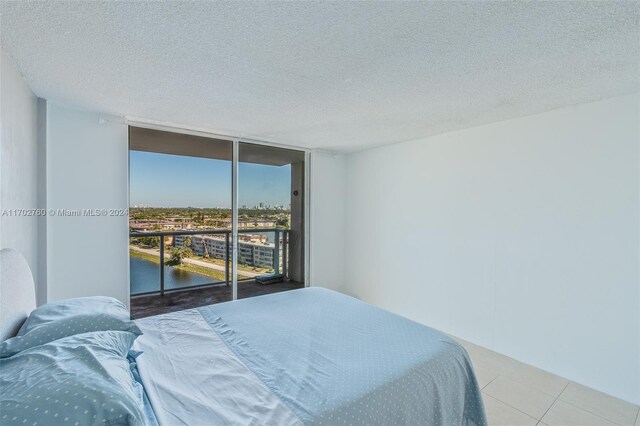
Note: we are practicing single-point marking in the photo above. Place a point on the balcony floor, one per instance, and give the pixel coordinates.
(145, 306)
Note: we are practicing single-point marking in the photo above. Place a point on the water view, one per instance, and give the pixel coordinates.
(145, 277)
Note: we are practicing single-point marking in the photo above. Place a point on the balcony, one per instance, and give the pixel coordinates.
(201, 275)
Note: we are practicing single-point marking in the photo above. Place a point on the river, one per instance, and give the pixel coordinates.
(145, 276)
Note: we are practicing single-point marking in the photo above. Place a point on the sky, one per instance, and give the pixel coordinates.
(163, 180)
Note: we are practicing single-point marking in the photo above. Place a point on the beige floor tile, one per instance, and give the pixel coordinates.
(563, 414)
(492, 364)
(484, 377)
(486, 364)
(536, 378)
(500, 414)
(489, 360)
(603, 405)
(524, 398)
(532, 390)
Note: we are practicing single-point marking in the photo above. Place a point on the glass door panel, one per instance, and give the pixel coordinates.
(271, 228)
(180, 221)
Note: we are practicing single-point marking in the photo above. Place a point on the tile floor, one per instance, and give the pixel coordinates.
(518, 394)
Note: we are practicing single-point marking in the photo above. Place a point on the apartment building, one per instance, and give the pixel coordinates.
(249, 253)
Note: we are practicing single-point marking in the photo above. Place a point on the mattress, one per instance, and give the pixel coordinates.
(310, 356)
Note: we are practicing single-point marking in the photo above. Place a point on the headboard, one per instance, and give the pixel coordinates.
(17, 292)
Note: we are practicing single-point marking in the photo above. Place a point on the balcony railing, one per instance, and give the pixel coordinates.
(279, 253)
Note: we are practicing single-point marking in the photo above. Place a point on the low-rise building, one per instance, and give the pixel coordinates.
(249, 253)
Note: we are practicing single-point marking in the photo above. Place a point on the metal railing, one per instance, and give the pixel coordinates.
(227, 256)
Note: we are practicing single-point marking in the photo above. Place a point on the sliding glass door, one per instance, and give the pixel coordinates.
(196, 203)
(271, 225)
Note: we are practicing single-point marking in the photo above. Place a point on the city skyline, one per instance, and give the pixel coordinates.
(243, 207)
(165, 180)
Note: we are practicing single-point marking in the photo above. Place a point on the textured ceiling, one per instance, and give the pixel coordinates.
(332, 75)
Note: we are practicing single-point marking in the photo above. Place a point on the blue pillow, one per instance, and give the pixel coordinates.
(54, 330)
(63, 309)
(79, 380)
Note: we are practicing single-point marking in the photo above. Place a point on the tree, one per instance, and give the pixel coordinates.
(179, 253)
(150, 241)
(283, 222)
(186, 242)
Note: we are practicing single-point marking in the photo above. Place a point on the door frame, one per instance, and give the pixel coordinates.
(236, 140)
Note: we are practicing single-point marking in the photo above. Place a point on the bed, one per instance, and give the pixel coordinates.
(310, 356)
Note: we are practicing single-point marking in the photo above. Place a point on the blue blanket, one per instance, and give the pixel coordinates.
(333, 359)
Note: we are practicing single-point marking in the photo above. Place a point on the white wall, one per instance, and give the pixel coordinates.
(18, 163)
(327, 216)
(87, 168)
(521, 236)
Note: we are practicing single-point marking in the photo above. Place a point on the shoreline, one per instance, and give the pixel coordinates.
(187, 267)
